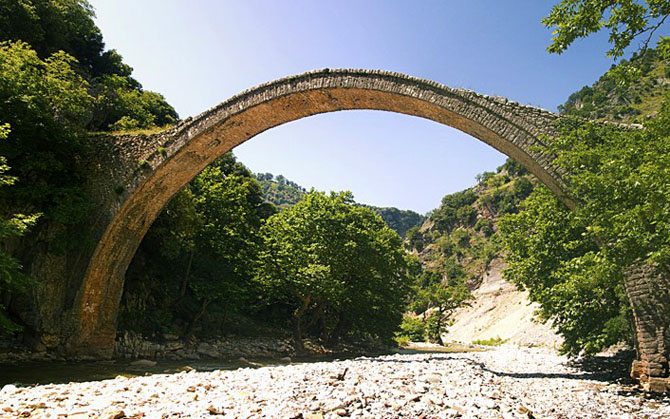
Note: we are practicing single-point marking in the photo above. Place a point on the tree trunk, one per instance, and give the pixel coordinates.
(297, 334)
(338, 330)
(296, 321)
(316, 318)
(438, 327)
(184, 282)
(191, 327)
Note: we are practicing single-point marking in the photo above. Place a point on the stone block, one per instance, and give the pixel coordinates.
(656, 385)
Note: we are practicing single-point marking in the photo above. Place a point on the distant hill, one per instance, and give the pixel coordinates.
(280, 191)
(397, 219)
(283, 193)
(617, 96)
(463, 229)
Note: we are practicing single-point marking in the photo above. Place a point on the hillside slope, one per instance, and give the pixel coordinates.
(284, 193)
(631, 92)
(462, 232)
(500, 310)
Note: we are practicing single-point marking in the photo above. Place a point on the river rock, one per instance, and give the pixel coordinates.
(113, 414)
(143, 363)
(208, 350)
(8, 389)
(526, 382)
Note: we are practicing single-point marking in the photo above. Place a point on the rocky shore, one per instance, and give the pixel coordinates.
(507, 382)
(169, 347)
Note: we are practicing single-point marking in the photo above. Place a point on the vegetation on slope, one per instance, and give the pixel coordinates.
(463, 229)
(280, 191)
(631, 91)
(284, 193)
(455, 245)
(572, 263)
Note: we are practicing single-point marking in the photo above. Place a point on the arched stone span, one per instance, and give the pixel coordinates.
(138, 175)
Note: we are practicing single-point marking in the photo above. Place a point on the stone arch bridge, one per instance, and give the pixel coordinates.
(133, 177)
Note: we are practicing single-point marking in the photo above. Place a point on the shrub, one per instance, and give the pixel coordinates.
(497, 341)
(467, 216)
(484, 226)
(412, 328)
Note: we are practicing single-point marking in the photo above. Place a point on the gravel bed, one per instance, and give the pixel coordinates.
(507, 382)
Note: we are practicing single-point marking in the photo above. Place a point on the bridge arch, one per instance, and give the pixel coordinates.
(137, 175)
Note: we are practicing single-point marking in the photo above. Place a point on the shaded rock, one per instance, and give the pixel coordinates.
(143, 363)
(113, 414)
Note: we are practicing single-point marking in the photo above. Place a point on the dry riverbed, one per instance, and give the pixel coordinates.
(507, 382)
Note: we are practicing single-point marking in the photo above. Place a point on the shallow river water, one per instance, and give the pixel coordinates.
(66, 372)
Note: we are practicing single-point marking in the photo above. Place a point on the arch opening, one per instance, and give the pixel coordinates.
(385, 159)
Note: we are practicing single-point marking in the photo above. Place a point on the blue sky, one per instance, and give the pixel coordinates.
(199, 53)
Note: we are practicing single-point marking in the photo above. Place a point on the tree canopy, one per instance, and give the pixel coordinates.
(573, 262)
(12, 278)
(337, 265)
(625, 20)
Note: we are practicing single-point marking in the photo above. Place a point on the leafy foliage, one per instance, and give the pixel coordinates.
(573, 262)
(338, 267)
(439, 289)
(452, 250)
(496, 341)
(549, 254)
(66, 28)
(280, 191)
(399, 220)
(12, 278)
(412, 329)
(463, 229)
(46, 103)
(284, 193)
(625, 20)
(210, 233)
(634, 99)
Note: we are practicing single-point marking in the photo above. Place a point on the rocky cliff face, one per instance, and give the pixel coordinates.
(500, 310)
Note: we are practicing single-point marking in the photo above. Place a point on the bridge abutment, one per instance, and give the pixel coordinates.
(648, 289)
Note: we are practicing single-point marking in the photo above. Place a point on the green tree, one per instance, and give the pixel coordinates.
(549, 253)
(412, 328)
(47, 105)
(231, 211)
(67, 26)
(444, 292)
(625, 20)
(337, 266)
(446, 217)
(198, 257)
(573, 262)
(12, 279)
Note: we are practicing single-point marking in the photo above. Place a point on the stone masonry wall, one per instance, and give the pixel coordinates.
(648, 289)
